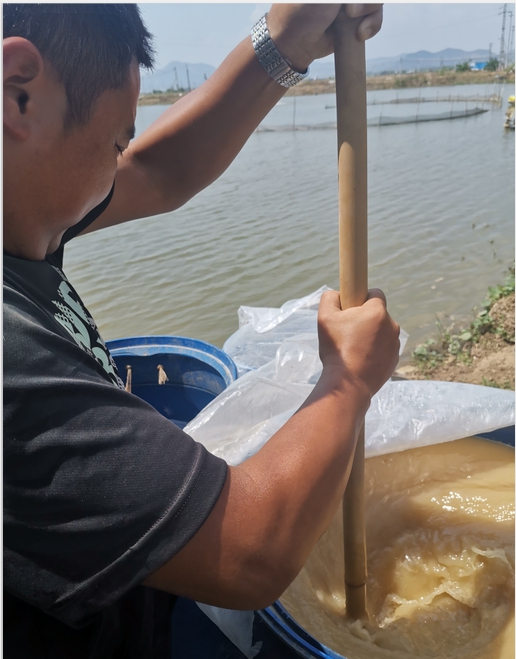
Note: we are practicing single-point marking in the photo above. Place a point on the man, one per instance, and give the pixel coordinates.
(109, 508)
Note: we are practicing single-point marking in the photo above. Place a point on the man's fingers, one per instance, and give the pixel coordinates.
(370, 25)
(376, 293)
(330, 302)
(356, 10)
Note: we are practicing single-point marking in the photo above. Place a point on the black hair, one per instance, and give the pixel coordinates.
(89, 46)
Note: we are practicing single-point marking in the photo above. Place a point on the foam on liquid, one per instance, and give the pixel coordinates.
(440, 544)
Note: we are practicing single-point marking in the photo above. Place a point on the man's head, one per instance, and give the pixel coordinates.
(89, 46)
(71, 84)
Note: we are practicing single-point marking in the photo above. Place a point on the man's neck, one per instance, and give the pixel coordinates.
(28, 240)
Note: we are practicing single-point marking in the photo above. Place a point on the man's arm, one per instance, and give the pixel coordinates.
(195, 140)
(275, 506)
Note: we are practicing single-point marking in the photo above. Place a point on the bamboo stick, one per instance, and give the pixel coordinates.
(350, 82)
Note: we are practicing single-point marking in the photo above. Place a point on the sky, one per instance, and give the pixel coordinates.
(206, 33)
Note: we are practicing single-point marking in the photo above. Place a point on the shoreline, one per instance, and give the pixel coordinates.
(374, 83)
(480, 353)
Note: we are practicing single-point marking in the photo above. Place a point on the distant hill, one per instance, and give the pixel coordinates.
(174, 75)
(421, 60)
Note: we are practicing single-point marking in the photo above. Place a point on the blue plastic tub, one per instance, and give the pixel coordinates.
(295, 637)
(277, 618)
(197, 372)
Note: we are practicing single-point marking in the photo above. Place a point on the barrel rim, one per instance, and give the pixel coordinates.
(277, 618)
(174, 344)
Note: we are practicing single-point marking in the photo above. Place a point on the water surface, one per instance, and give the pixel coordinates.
(441, 225)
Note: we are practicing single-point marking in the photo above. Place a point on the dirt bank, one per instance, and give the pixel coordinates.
(406, 81)
(482, 353)
(403, 81)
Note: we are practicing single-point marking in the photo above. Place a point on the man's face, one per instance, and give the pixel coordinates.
(53, 177)
(84, 159)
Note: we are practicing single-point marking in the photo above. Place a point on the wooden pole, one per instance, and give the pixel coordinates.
(350, 83)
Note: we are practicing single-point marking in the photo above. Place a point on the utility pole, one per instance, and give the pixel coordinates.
(509, 39)
(188, 78)
(502, 39)
(177, 81)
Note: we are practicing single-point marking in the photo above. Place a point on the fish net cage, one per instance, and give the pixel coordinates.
(378, 121)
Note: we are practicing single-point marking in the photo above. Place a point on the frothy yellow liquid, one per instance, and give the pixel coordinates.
(440, 546)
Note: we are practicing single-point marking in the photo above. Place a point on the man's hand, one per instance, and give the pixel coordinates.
(362, 341)
(304, 32)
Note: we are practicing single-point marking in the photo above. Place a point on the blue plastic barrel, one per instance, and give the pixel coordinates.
(297, 639)
(197, 372)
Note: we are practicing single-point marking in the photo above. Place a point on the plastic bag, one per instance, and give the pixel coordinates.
(402, 415)
(263, 329)
(276, 352)
(236, 625)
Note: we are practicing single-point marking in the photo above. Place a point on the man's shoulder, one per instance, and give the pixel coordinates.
(29, 291)
(44, 314)
(35, 279)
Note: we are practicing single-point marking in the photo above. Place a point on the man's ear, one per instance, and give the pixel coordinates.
(23, 68)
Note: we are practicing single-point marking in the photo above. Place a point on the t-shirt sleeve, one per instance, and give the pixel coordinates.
(100, 490)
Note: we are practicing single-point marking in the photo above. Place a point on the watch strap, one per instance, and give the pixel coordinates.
(279, 68)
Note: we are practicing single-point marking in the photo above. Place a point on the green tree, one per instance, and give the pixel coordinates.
(492, 64)
(462, 68)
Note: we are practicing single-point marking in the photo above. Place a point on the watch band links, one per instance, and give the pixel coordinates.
(279, 68)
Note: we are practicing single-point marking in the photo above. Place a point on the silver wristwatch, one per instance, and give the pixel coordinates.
(276, 66)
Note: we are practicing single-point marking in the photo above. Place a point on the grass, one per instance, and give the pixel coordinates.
(497, 385)
(427, 356)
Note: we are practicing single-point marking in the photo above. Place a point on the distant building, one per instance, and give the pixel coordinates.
(477, 66)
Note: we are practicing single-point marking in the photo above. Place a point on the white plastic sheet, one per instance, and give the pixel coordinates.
(263, 329)
(276, 352)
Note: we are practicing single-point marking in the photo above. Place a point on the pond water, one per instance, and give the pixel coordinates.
(441, 225)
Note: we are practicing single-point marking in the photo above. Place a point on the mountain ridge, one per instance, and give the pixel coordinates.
(184, 75)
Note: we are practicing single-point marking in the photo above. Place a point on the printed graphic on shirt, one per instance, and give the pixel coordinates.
(72, 315)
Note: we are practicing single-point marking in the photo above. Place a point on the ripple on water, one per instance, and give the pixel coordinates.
(441, 204)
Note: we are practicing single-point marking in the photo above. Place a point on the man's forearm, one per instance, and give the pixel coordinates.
(307, 464)
(274, 506)
(195, 140)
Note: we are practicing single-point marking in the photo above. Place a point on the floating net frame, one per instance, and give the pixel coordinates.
(378, 121)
